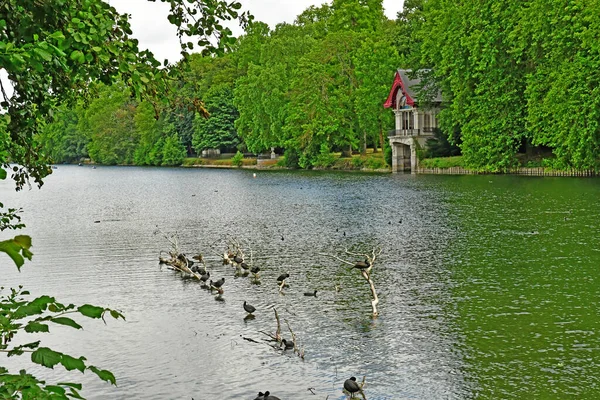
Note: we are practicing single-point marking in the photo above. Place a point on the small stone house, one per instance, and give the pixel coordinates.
(415, 122)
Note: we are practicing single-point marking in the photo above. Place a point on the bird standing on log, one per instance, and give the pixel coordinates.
(351, 386)
(362, 265)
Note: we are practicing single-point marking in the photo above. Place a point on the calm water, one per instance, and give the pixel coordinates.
(489, 285)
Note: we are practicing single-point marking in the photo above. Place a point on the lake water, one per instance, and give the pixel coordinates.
(489, 285)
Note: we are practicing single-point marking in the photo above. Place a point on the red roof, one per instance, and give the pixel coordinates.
(398, 85)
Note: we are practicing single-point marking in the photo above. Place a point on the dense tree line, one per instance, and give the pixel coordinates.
(513, 77)
(514, 74)
(308, 88)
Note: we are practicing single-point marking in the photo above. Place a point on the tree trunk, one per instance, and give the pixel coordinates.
(381, 142)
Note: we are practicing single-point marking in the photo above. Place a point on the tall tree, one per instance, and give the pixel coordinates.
(471, 48)
(560, 40)
(217, 131)
(375, 60)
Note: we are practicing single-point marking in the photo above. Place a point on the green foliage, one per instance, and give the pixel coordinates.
(290, 158)
(19, 316)
(238, 159)
(357, 162)
(109, 124)
(375, 163)
(173, 152)
(61, 139)
(217, 131)
(52, 51)
(325, 159)
(526, 72)
(440, 146)
(387, 153)
(17, 248)
(442, 162)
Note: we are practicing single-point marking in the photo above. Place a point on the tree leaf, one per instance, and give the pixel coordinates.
(71, 363)
(17, 248)
(66, 321)
(43, 53)
(55, 389)
(91, 311)
(104, 374)
(36, 327)
(77, 386)
(46, 357)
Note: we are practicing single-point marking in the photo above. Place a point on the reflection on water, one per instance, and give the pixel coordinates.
(486, 288)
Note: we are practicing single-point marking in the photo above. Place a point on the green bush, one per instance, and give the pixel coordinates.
(325, 159)
(173, 151)
(442, 162)
(357, 162)
(387, 153)
(238, 159)
(375, 163)
(290, 158)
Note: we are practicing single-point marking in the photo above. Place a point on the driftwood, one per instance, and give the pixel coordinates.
(178, 261)
(365, 272)
(276, 337)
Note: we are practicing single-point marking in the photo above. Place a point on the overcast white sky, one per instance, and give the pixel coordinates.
(150, 26)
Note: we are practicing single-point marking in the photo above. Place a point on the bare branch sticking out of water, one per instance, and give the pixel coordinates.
(297, 350)
(365, 270)
(278, 332)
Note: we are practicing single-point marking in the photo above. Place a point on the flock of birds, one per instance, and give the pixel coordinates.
(199, 268)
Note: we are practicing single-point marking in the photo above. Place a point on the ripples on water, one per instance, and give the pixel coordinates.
(463, 260)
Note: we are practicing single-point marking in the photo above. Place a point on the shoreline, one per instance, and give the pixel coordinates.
(523, 171)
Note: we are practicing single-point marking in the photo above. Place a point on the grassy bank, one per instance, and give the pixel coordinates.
(368, 162)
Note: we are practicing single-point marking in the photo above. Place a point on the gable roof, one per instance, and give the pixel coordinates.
(402, 81)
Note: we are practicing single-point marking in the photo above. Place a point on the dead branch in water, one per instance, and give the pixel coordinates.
(297, 350)
(365, 268)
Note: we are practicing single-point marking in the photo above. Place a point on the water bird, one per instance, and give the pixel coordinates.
(268, 396)
(351, 386)
(287, 344)
(314, 294)
(282, 277)
(218, 283)
(282, 237)
(362, 265)
(249, 309)
(205, 277)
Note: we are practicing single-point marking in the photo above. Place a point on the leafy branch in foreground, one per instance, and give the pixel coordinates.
(18, 315)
